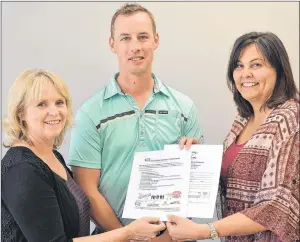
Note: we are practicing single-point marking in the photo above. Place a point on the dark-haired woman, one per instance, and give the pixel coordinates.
(260, 170)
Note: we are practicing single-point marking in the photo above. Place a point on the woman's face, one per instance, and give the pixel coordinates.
(46, 118)
(254, 77)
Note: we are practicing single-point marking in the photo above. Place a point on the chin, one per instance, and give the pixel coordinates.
(249, 97)
(53, 135)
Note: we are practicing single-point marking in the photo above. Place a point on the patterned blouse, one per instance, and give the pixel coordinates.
(263, 179)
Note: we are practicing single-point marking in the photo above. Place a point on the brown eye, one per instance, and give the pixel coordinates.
(256, 65)
(238, 66)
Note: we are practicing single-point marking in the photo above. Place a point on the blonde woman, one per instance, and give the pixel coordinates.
(40, 200)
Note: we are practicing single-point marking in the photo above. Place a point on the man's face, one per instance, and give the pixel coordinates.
(134, 43)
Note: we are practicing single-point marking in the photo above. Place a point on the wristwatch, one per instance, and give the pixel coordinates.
(213, 232)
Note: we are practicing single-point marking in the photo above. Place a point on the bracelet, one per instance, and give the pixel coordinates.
(213, 232)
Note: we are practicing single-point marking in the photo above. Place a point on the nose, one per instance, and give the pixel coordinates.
(246, 73)
(53, 110)
(135, 45)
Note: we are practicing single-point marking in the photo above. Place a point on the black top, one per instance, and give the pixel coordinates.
(37, 205)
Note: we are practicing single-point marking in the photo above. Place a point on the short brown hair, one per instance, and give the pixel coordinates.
(127, 10)
(274, 51)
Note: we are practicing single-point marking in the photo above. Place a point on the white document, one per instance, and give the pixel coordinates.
(158, 185)
(204, 178)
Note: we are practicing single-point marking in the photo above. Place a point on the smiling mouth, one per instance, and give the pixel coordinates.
(136, 58)
(53, 122)
(249, 84)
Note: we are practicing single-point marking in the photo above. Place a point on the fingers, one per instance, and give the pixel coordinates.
(170, 226)
(182, 142)
(196, 141)
(155, 221)
(187, 142)
(152, 220)
(172, 218)
(159, 227)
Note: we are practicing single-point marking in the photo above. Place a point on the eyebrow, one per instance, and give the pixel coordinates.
(45, 100)
(144, 33)
(253, 60)
(125, 34)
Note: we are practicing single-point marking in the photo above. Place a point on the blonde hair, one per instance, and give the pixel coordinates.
(130, 9)
(26, 88)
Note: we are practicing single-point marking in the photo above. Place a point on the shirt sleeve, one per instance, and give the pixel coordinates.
(192, 127)
(85, 148)
(31, 200)
(277, 207)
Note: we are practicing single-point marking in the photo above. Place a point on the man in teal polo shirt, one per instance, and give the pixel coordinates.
(134, 112)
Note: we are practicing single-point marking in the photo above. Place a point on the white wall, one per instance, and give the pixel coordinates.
(71, 39)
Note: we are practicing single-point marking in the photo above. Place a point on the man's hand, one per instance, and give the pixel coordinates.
(187, 142)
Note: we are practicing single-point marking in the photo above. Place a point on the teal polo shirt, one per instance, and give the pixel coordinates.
(109, 128)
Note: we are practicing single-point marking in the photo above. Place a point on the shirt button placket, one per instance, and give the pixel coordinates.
(142, 130)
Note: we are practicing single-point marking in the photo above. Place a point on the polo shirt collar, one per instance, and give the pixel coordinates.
(159, 86)
(113, 87)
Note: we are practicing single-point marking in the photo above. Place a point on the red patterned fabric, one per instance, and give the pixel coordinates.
(229, 156)
(263, 179)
